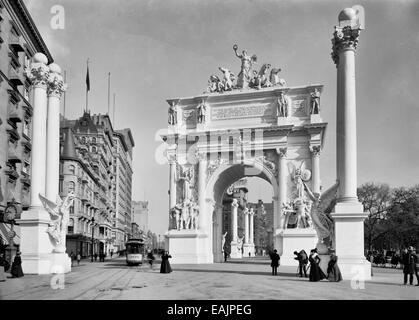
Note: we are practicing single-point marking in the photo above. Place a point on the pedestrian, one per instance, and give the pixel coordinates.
(4, 266)
(17, 271)
(72, 257)
(410, 260)
(333, 271)
(302, 258)
(225, 255)
(95, 255)
(165, 264)
(249, 255)
(78, 258)
(275, 262)
(111, 253)
(316, 273)
(150, 258)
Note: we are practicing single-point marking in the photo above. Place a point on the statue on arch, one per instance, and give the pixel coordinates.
(223, 241)
(60, 217)
(215, 84)
(172, 114)
(195, 216)
(282, 105)
(261, 80)
(227, 79)
(315, 102)
(274, 78)
(299, 176)
(176, 213)
(202, 110)
(244, 76)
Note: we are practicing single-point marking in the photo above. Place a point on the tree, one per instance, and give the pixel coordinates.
(376, 199)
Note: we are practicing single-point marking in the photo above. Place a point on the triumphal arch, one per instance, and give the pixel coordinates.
(250, 125)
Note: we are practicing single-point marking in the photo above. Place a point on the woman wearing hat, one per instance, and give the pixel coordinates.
(409, 264)
(17, 271)
(333, 271)
(316, 273)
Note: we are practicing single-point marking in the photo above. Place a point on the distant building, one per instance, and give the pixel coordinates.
(140, 214)
(19, 41)
(263, 222)
(106, 156)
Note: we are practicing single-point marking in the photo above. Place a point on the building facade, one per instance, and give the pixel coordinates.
(19, 41)
(99, 170)
(140, 214)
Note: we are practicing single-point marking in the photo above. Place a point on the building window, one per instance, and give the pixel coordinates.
(94, 150)
(71, 169)
(70, 226)
(71, 186)
(83, 140)
(93, 140)
(72, 209)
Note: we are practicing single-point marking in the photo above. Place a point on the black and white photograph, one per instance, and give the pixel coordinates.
(183, 150)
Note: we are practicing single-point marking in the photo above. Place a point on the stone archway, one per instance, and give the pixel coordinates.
(222, 178)
(242, 130)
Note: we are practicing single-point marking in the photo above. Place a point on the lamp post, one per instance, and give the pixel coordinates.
(93, 236)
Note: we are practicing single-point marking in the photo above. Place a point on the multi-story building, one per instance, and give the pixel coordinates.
(106, 157)
(123, 145)
(140, 214)
(19, 41)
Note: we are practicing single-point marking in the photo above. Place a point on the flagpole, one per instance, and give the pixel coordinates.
(113, 120)
(87, 90)
(109, 93)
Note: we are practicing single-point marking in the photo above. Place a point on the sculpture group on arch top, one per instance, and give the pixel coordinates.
(249, 78)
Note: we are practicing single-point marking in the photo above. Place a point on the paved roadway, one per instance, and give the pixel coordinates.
(247, 280)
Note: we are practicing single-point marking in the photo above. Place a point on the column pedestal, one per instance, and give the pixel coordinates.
(188, 247)
(236, 251)
(290, 240)
(349, 241)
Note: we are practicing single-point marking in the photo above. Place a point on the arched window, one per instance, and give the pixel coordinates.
(71, 169)
(70, 227)
(93, 140)
(83, 140)
(94, 149)
(71, 186)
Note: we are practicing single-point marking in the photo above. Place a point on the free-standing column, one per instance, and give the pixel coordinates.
(234, 207)
(55, 89)
(348, 213)
(315, 168)
(172, 181)
(38, 74)
(246, 225)
(282, 196)
(204, 220)
(251, 236)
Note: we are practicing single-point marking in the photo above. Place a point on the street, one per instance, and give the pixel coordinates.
(247, 279)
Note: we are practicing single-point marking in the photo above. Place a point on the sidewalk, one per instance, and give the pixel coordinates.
(243, 280)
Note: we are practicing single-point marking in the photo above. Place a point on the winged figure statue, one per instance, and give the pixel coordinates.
(299, 175)
(59, 213)
(322, 220)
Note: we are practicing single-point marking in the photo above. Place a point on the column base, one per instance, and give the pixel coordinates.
(248, 250)
(35, 243)
(236, 251)
(289, 240)
(188, 247)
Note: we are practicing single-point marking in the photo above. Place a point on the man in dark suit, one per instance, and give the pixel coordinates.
(409, 260)
(302, 262)
(275, 262)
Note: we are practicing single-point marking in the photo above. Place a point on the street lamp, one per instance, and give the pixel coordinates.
(93, 236)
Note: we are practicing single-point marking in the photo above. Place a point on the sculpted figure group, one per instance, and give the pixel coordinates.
(185, 215)
(248, 77)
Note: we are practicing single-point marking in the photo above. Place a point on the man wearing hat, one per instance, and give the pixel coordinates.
(410, 260)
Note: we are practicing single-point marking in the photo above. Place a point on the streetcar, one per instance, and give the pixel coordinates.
(134, 251)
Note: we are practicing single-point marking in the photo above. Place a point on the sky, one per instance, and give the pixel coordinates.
(161, 49)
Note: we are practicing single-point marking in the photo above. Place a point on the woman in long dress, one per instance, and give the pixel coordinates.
(316, 273)
(165, 265)
(333, 271)
(17, 271)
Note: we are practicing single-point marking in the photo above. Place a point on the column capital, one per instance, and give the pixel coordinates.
(282, 152)
(201, 156)
(235, 203)
(38, 74)
(56, 85)
(344, 38)
(315, 150)
(171, 158)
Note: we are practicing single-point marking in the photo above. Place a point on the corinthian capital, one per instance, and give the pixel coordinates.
(38, 74)
(282, 152)
(315, 150)
(344, 38)
(56, 85)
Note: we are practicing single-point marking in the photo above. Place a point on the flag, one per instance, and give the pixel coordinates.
(87, 79)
